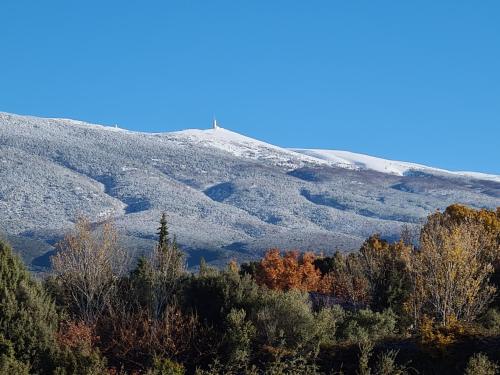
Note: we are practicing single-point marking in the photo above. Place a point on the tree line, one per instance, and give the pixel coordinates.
(427, 303)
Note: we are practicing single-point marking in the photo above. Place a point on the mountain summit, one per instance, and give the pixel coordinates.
(226, 195)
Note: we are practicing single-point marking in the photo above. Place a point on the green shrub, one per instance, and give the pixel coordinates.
(295, 365)
(166, 367)
(386, 364)
(212, 295)
(479, 364)
(79, 361)
(239, 335)
(8, 363)
(215, 368)
(286, 319)
(365, 353)
(366, 325)
(491, 320)
(28, 319)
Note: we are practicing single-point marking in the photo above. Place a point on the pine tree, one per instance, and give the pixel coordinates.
(167, 265)
(142, 279)
(163, 235)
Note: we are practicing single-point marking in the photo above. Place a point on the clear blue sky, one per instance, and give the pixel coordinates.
(408, 80)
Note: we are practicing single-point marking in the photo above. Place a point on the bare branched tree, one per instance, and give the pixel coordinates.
(88, 264)
(410, 234)
(452, 271)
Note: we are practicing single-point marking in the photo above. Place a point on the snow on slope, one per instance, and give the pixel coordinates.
(348, 159)
(243, 146)
(246, 147)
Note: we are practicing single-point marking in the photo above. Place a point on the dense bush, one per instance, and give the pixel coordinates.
(479, 364)
(9, 364)
(491, 321)
(28, 320)
(165, 367)
(286, 319)
(366, 325)
(212, 295)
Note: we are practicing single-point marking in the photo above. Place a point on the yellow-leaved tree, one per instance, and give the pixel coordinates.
(451, 271)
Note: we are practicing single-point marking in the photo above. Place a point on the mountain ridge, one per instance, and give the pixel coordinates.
(242, 195)
(341, 158)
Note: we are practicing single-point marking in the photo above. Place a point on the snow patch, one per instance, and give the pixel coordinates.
(242, 146)
(346, 159)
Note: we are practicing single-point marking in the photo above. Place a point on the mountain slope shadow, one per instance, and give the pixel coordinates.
(220, 192)
(323, 200)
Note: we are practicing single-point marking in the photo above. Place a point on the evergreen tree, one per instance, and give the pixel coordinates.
(163, 235)
(8, 362)
(167, 265)
(28, 319)
(142, 282)
(384, 265)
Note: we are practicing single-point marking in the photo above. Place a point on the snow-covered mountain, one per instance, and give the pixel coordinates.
(346, 159)
(227, 195)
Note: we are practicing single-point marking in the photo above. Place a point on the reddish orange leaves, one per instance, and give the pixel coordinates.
(290, 271)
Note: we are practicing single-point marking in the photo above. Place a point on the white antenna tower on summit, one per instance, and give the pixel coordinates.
(214, 124)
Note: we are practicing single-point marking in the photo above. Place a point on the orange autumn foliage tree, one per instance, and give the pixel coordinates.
(288, 271)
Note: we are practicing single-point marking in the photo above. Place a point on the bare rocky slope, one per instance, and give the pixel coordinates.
(226, 195)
